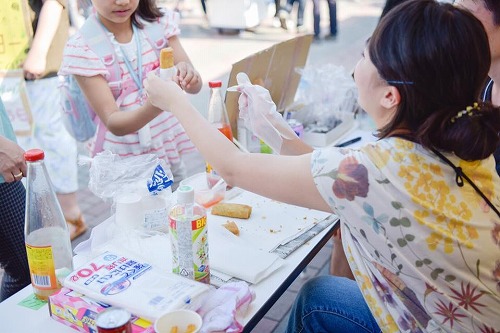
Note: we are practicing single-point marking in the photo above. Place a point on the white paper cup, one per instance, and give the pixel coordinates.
(128, 210)
(179, 318)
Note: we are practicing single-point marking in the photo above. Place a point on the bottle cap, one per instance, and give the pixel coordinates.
(34, 155)
(215, 84)
(185, 194)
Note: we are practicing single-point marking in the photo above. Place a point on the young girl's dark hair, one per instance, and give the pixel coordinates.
(148, 11)
(438, 57)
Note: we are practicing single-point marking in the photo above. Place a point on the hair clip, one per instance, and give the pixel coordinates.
(469, 110)
(399, 82)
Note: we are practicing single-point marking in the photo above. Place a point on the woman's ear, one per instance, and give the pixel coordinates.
(391, 98)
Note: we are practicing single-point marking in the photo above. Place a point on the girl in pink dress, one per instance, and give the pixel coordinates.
(133, 126)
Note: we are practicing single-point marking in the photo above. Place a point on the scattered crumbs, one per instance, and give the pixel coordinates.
(274, 231)
(264, 217)
(305, 217)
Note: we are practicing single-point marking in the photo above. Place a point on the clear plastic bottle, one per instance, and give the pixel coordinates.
(217, 115)
(47, 238)
(188, 237)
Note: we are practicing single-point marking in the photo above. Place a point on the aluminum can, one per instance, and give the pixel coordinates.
(113, 320)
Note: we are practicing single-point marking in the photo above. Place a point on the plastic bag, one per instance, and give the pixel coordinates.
(326, 96)
(139, 187)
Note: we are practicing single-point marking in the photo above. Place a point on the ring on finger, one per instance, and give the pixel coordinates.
(20, 174)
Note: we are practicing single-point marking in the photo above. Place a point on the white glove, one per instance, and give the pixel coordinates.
(259, 112)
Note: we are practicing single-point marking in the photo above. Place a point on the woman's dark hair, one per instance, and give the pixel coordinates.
(148, 11)
(438, 57)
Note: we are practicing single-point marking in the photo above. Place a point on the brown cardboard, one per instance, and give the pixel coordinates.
(274, 69)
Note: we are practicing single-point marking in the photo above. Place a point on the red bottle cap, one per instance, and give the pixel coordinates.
(215, 84)
(33, 155)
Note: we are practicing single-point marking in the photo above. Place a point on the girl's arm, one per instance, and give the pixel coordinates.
(102, 101)
(284, 178)
(188, 78)
(48, 21)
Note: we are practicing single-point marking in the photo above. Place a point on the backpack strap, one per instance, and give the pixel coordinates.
(155, 35)
(98, 41)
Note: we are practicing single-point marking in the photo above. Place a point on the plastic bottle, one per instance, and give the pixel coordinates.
(188, 236)
(48, 244)
(217, 115)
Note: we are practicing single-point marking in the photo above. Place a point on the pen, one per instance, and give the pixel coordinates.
(348, 142)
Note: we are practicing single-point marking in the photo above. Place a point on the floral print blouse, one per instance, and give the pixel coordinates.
(424, 251)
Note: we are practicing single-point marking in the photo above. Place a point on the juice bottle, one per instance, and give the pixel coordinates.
(217, 115)
(188, 237)
(47, 238)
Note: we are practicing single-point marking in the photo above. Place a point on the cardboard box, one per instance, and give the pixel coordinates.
(79, 312)
(274, 69)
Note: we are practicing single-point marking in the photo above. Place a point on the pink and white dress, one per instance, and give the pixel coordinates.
(168, 139)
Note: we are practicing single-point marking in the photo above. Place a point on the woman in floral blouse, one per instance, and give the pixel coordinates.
(421, 242)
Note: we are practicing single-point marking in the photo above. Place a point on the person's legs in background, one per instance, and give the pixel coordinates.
(13, 258)
(300, 15)
(332, 10)
(331, 304)
(284, 15)
(316, 20)
(60, 149)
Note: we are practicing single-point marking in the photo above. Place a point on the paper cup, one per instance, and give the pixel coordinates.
(128, 210)
(180, 319)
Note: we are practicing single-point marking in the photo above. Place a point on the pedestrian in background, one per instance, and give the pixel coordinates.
(13, 258)
(50, 23)
(286, 12)
(332, 11)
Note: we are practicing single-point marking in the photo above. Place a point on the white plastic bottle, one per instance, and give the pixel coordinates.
(189, 237)
(217, 116)
(47, 237)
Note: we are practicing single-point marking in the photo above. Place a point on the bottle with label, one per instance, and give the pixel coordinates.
(47, 238)
(188, 237)
(217, 115)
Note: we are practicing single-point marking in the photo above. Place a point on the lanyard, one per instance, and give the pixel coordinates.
(137, 77)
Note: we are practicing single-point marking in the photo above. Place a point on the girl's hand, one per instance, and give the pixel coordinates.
(163, 94)
(187, 77)
(34, 66)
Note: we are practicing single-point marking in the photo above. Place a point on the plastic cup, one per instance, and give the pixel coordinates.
(180, 319)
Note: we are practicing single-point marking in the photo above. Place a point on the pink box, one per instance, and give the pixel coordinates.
(79, 312)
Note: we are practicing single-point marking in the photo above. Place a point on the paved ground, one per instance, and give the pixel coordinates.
(213, 54)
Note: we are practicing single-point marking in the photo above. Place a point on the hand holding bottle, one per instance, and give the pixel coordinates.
(12, 163)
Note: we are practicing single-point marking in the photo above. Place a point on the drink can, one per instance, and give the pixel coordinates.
(297, 127)
(113, 320)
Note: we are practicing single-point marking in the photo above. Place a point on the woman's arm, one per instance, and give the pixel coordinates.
(284, 178)
(188, 78)
(102, 101)
(48, 21)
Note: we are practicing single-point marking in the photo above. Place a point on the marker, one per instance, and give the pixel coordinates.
(348, 142)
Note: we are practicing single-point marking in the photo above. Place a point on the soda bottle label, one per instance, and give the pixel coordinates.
(42, 268)
(190, 248)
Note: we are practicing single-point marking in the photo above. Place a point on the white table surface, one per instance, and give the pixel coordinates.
(15, 318)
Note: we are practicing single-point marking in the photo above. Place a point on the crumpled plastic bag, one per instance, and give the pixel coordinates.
(221, 306)
(111, 175)
(326, 96)
(258, 111)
